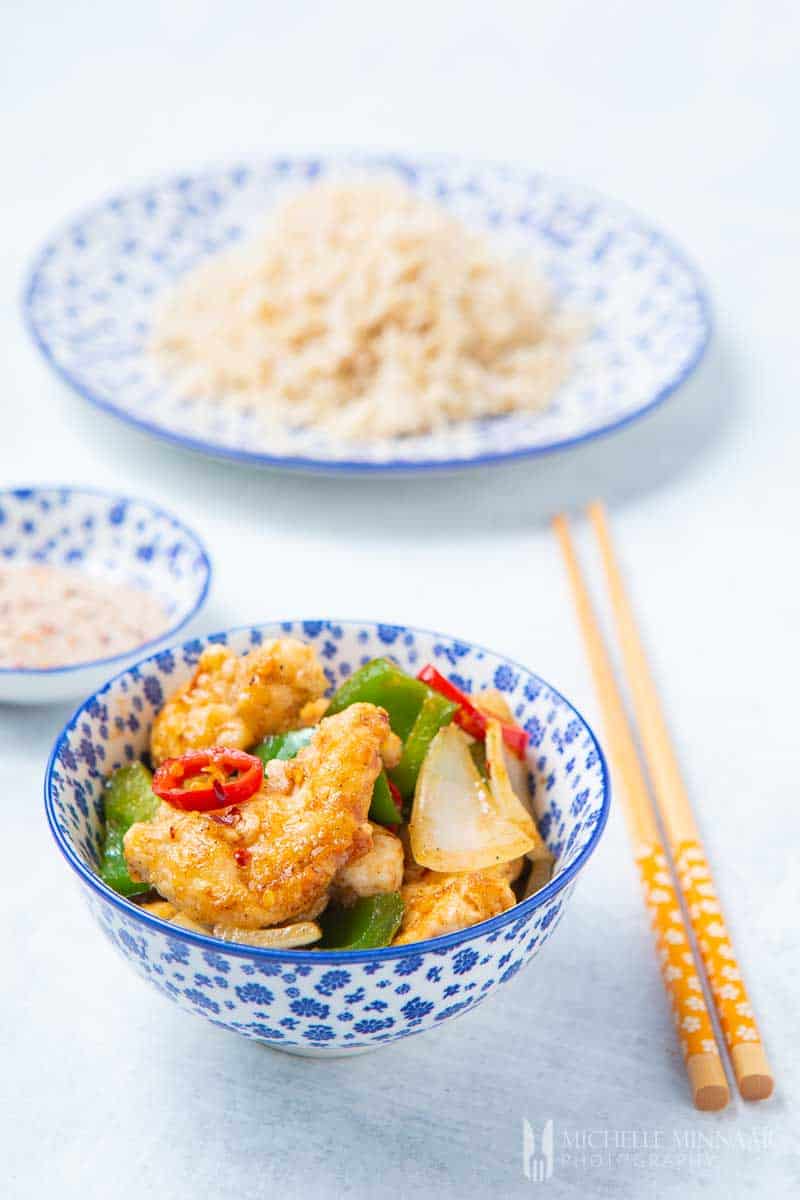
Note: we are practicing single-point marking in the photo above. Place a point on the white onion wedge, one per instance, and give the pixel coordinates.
(159, 908)
(186, 922)
(497, 763)
(458, 823)
(279, 937)
(518, 777)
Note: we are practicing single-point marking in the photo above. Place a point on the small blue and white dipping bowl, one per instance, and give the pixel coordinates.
(111, 538)
(333, 1002)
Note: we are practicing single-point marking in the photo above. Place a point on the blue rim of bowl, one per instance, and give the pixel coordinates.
(325, 466)
(157, 510)
(216, 945)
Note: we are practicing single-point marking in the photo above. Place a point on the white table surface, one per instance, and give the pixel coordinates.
(688, 112)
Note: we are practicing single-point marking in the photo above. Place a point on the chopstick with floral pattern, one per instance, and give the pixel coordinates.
(748, 1058)
(678, 968)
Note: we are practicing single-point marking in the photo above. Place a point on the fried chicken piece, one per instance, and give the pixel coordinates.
(379, 870)
(272, 859)
(391, 751)
(437, 903)
(313, 712)
(235, 700)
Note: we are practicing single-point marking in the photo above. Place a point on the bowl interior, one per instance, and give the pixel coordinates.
(109, 537)
(568, 773)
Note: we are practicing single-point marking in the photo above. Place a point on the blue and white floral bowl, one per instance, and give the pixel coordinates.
(110, 537)
(334, 1002)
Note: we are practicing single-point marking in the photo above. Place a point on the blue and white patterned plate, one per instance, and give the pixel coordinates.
(110, 537)
(89, 304)
(331, 1002)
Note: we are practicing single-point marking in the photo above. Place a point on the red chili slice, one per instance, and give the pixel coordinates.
(470, 718)
(205, 780)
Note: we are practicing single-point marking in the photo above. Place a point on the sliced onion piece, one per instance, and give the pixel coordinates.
(280, 937)
(187, 922)
(541, 872)
(501, 766)
(458, 823)
(160, 908)
(518, 778)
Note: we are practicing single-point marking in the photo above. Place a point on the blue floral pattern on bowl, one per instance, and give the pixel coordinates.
(330, 1002)
(111, 537)
(90, 296)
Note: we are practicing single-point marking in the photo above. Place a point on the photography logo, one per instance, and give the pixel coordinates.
(537, 1161)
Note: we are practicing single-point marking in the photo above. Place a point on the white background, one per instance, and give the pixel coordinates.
(687, 111)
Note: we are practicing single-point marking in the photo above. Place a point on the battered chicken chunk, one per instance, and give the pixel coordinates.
(436, 903)
(235, 700)
(273, 858)
(379, 870)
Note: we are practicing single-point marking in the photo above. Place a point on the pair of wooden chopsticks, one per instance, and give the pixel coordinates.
(694, 882)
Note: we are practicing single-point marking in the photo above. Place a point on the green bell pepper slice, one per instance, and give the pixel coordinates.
(383, 810)
(128, 798)
(435, 712)
(284, 745)
(370, 923)
(381, 682)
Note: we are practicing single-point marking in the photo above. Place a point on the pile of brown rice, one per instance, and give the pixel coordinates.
(367, 312)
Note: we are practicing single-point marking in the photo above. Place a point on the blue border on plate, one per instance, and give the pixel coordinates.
(359, 467)
(47, 672)
(523, 908)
